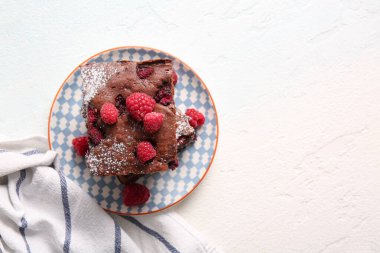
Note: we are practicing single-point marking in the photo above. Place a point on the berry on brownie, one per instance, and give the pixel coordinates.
(145, 152)
(143, 73)
(153, 122)
(120, 103)
(164, 96)
(197, 119)
(80, 145)
(174, 77)
(139, 104)
(109, 113)
(95, 135)
(135, 194)
(92, 116)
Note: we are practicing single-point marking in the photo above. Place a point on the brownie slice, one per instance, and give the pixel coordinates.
(113, 82)
(129, 179)
(185, 135)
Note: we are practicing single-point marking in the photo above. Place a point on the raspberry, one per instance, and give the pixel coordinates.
(174, 77)
(197, 119)
(92, 116)
(109, 113)
(80, 145)
(120, 103)
(95, 135)
(164, 96)
(145, 152)
(139, 104)
(166, 100)
(153, 122)
(144, 72)
(135, 194)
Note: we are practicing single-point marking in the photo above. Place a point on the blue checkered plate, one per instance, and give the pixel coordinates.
(166, 188)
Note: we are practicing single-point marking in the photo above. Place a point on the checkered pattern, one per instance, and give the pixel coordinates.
(166, 187)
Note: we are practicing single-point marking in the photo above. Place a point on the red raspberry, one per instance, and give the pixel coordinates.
(92, 116)
(135, 194)
(153, 122)
(197, 119)
(174, 77)
(80, 145)
(139, 104)
(95, 135)
(145, 151)
(166, 100)
(144, 72)
(109, 113)
(164, 96)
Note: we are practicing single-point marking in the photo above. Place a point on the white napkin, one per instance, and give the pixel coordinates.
(43, 211)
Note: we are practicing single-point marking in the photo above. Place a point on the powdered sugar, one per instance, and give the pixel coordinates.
(110, 158)
(183, 125)
(95, 76)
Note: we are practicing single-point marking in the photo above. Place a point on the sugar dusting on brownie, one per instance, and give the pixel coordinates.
(107, 155)
(183, 125)
(95, 76)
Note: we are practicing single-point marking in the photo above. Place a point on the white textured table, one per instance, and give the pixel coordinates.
(297, 88)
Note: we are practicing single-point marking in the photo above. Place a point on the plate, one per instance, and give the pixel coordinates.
(167, 188)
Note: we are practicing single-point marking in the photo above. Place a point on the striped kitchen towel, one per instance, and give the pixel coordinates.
(43, 211)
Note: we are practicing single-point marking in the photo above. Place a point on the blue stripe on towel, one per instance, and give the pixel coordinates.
(117, 237)
(66, 210)
(0, 235)
(153, 233)
(24, 223)
(32, 152)
(19, 181)
(27, 153)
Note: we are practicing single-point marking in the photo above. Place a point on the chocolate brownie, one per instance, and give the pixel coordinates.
(129, 179)
(185, 135)
(113, 82)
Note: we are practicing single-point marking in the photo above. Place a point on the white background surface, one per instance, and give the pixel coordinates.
(297, 88)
